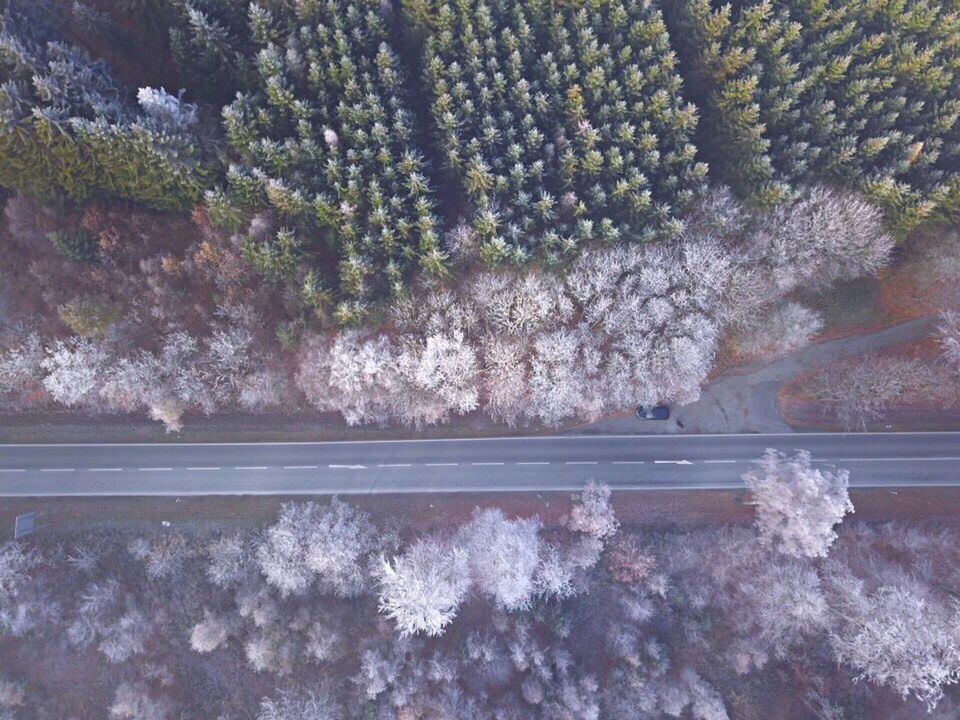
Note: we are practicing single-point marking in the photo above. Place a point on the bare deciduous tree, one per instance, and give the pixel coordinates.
(326, 544)
(797, 504)
(421, 590)
(592, 513)
(859, 392)
(899, 636)
(504, 555)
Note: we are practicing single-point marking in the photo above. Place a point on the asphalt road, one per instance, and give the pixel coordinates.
(625, 462)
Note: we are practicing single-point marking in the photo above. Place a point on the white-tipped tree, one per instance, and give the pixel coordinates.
(74, 370)
(592, 514)
(948, 335)
(133, 701)
(900, 636)
(210, 633)
(504, 556)
(322, 544)
(797, 504)
(422, 589)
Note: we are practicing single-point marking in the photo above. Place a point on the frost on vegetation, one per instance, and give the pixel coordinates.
(109, 617)
(421, 590)
(858, 392)
(133, 701)
(592, 514)
(896, 623)
(621, 325)
(504, 555)
(797, 504)
(322, 545)
(210, 633)
(11, 693)
(948, 335)
(784, 329)
(530, 601)
(307, 705)
(170, 112)
(625, 324)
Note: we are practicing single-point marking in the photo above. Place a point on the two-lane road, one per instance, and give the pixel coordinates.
(625, 462)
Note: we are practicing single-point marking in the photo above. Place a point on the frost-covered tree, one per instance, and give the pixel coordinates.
(229, 560)
(111, 618)
(210, 633)
(133, 701)
(858, 392)
(823, 236)
(11, 693)
(421, 590)
(326, 545)
(785, 328)
(797, 505)
(74, 369)
(352, 374)
(439, 378)
(310, 705)
(898, 635)
(504, 555)
(592, 514)
(21, 364)
(168, 111)
(948, 335)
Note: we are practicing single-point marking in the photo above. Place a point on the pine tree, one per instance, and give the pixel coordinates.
(558, 120)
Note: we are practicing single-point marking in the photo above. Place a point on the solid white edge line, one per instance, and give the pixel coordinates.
(496, 438)
(447, 491)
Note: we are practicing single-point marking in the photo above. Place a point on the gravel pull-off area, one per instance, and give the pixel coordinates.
(746, 402)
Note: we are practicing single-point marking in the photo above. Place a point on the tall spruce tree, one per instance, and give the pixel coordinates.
(860, 92)
(325, 140)
(563, 122)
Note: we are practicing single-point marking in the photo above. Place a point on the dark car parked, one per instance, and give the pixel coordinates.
(660, 412)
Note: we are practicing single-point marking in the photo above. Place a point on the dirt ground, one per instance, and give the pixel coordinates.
(649, 509)
(936, 408)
